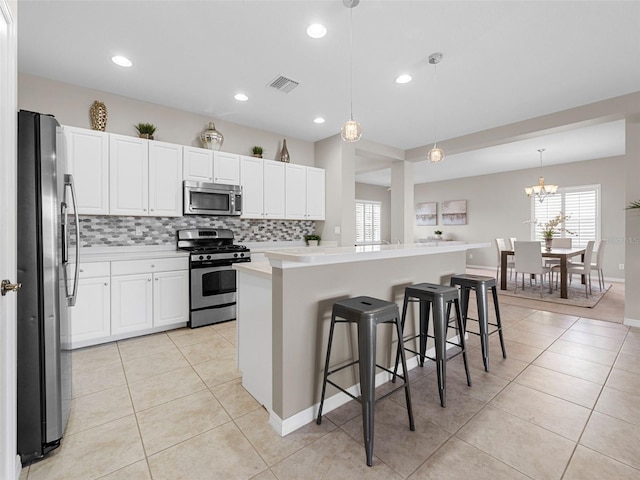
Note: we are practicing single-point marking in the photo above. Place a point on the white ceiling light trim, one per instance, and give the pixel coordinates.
(318, 120)
(121, 61)
(316, 30)
(241, 97)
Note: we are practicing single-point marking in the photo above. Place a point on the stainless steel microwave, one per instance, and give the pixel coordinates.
(211, 198)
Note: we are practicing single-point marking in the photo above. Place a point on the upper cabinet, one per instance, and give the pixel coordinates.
(295, 191)
(88, 162)
(315, 181)
(274, 194)
(226, 168)
(252, 181)
(129, 175)
(197, 164)
(145, 177)
(165, 179)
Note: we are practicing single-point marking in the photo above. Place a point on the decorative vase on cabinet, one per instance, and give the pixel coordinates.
(284, 155)
(211, 138)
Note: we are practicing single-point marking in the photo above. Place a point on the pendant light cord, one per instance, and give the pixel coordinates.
(435, 110)
(351, 63)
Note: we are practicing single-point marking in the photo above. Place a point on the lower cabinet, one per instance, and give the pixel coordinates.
(137, 297)
(91, 316)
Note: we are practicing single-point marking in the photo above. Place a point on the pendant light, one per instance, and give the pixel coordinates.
(351, 130)
(435, 155)
(541, 191)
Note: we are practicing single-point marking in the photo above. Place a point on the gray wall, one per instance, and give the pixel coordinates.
(375, 193)
(70, 104)
(497, 206)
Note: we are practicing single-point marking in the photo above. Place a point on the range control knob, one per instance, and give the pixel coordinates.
(235, 255)
(208, 257)
(201, 257)
(242, 254)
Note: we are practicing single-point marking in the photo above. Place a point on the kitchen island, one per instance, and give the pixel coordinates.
(284, 313)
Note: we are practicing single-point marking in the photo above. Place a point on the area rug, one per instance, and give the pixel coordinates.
(576, 294)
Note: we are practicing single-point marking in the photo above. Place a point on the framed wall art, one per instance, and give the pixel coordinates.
(426, 214)
(454, 212)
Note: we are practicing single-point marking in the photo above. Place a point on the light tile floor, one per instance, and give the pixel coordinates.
(564, 404)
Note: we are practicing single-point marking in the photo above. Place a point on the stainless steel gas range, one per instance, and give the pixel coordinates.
(212, 296)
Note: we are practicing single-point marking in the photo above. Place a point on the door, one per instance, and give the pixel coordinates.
(252, 179)
(226, 168)
(170, 298)
(295, 191)
(197, 164)
(131, 303)
(9, 461)
(315, 193)
(128, 175)
(273, 189)
(165, 179)
(88, 162)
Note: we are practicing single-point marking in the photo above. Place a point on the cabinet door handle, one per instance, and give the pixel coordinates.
(153, 266)
(82, 269)
(148, 279)
(156, 279)
(106, 283)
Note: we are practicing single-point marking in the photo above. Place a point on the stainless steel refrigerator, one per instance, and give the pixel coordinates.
(49, 284)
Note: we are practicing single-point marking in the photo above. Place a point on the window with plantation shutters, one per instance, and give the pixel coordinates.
(367, 221)
(581, 204)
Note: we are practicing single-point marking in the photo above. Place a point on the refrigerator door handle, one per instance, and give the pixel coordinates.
(68, 180)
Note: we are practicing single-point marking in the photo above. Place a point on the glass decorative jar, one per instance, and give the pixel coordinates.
(211, 138)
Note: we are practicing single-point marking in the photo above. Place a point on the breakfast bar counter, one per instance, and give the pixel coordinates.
(284, 312)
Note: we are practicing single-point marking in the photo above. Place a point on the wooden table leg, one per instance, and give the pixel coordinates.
(503, 270)
(563, 277)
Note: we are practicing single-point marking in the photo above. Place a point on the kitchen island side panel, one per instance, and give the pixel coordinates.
(302, 302)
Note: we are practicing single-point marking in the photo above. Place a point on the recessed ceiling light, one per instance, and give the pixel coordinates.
(404, 78)
(318, 120)
(241, 97)
(315, 30)
(122, 61)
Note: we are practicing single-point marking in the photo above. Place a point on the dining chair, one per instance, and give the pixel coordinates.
(558, 243)
(599, 263)
(528, 259)
(500, 246)
(581, 268)
(513, 241)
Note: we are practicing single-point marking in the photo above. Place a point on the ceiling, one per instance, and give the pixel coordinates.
(503, 62)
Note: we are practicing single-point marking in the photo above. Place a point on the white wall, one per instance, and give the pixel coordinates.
(375, 193)
(70, 104)
(497, 206)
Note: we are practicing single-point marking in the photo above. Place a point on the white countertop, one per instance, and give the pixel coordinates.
(109, 254)
(309, 256)
(261, 268)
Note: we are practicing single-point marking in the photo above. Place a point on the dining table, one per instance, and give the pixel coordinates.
(563, 254)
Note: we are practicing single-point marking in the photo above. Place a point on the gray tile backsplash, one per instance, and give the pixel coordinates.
(106, 231)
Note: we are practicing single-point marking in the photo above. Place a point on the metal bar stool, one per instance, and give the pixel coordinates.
(367, 313)
(480, 284)
(438, 295)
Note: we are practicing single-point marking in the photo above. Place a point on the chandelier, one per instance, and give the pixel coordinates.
(351, 130)
(435, 155)
(541, 191)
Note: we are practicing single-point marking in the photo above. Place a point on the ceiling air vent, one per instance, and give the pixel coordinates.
(283, 84)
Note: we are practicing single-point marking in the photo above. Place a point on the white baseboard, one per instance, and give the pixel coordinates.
(631, 322)
(300, 419)
(18, 467)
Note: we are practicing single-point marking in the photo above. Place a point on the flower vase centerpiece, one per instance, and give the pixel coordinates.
(552, 227)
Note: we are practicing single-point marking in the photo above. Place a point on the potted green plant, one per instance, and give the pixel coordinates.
(257, 151)
(553, 226)
(632, 205)
(145, 130)
(438, 234)
(312, 240)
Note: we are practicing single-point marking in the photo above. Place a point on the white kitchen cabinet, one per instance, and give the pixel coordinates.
(226, 168)
(88, 162)
(128, 175)
(274, 193)
(252, 181)
(197, 164)
(315, 193)
(165, 179)
(170, 298)
(91, 316)
(131, 303)
(295, 192)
